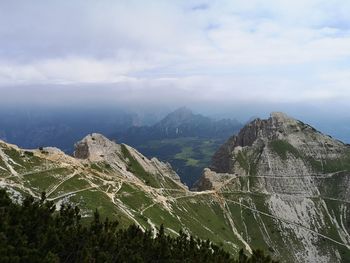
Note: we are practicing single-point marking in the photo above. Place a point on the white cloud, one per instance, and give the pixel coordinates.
(207, 50)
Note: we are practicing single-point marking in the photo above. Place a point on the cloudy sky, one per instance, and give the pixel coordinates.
(220, 52)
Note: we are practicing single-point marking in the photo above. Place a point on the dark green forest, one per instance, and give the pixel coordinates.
(34, 231)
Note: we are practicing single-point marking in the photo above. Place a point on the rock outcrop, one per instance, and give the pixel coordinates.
(95, 147)
(287, 170)
(279, 127)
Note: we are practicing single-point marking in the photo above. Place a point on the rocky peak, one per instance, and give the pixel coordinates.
(281, 117)
(291, 171)
(95, 147)
(279, 127)
(124, 160)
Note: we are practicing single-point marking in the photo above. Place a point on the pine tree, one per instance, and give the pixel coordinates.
(35, 232)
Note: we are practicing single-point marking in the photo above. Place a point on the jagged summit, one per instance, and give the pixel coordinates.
(95, 147)
(281, 116)
(286, 169)
(279, 128)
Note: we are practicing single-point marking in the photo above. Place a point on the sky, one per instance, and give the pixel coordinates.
(250, 56)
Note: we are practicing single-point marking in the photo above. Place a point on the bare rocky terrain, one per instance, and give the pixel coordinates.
(296, 176)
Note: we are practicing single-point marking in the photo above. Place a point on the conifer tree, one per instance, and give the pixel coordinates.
(34, 232)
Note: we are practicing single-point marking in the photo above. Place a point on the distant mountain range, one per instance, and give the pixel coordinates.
(182, 123)
(184, 139)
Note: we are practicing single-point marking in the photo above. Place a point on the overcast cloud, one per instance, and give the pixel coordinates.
(192, 51)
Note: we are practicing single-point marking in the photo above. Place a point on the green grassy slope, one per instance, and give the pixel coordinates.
(146, 199)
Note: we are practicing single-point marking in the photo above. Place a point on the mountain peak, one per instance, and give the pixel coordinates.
(289, 171)
(183, 110)
(287, 131)
(278, 126)
(282, 119)
(178, 116)
(280, 116)
(94, 147)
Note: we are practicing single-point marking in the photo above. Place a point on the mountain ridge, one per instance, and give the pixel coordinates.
(123, 184)
(182, 122)
(288, 171)
(280, 186)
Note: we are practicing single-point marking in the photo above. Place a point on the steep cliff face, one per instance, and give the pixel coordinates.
(294, 181)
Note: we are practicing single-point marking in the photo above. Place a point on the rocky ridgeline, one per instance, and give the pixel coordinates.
(296, 171)
(280, 147)
(97, 148)
(278, 129)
